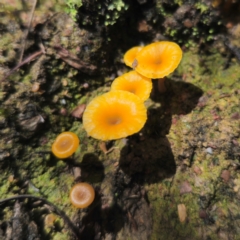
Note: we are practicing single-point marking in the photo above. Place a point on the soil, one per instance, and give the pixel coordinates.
(178, 178)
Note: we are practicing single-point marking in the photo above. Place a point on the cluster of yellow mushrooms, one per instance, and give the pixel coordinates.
(120, 112)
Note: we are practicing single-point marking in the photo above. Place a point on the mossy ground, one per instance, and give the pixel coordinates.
(188, 152)
(203, 148)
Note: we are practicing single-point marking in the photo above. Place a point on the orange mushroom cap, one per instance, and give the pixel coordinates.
(135, 83)
(82, 195)
(158, 59)
(114, 115)
(65, 144)
(130, 55)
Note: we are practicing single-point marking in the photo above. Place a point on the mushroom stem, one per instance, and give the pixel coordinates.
(161, 85)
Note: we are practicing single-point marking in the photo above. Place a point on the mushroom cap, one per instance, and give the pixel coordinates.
(130, 55)
(82, 195)
(158, 59)
(65, 144)
(135, 83)
(114, 115)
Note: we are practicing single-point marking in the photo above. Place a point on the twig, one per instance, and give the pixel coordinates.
(27, 31)
(56, 210)
(73, 60)
(41, 46)
(26, 60)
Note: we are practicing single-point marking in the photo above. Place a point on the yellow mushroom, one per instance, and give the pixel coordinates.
(82, 195)
(114, 115)
(130, 55)
(135, 83)
(158, 60)
(65, 144)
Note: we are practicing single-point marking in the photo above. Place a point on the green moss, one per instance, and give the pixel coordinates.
(115, 8)
(106, 13)
(188, 32)
(202, 7)
(4, 188)
(83, 100)
(60, 236)
(166, 224)
(73, 6)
